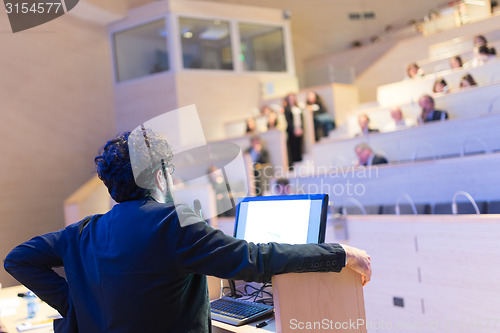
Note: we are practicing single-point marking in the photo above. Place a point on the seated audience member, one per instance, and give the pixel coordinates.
(364, 125)
(272, 120)
(440, 86)
(399, 122)
(282, 187)
(265, 110)
(429, 113)
(480, 40)
(260, 160)
(467, 81)
(413, 71)
(366, 157)
(251, 127)
(456, 62)
(482, 55)
(323, 122)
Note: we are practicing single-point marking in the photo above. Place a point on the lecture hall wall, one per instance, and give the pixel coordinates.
(56, 111)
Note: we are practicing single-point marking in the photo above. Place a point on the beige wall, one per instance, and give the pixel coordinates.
(56, 111)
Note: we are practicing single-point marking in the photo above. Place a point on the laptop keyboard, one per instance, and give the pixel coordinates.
(238, 312)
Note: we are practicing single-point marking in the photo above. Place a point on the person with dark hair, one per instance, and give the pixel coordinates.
(323, 122)
(251, 126)
(142, 266)
(259, 155)
(272, 120)
(282, 187)
(456, 62)
(294, 129)
(413, 71)
(366, 157)
(429, 113)
(467, 81)
(364, 125)
(482, 55)
(440, 86)
(480, 40)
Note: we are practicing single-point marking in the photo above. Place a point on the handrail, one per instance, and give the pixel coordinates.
(410, 200)
(415, 153)
(492, 103)
(354, 201)
(454, 208)
(481, 142)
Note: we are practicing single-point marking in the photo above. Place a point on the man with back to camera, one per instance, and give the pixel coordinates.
(142, 266)
(429, 113)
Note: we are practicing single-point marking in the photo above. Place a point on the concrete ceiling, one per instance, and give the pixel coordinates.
(119, 7)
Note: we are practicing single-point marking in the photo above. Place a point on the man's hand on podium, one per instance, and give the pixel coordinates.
(359, 261)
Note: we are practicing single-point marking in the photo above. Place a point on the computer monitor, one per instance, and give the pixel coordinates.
(291, 219)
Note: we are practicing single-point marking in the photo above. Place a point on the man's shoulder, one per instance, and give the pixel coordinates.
(379, 159)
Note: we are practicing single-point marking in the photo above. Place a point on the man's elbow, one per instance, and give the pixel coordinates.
(10, 264)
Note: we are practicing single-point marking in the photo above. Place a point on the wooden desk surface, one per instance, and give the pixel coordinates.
(13, 311)
(218, 327)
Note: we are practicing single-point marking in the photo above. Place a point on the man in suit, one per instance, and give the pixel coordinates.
(366, 157)
(142, 266)
(429, 113)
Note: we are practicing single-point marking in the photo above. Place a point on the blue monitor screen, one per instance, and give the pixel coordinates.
(291, 219)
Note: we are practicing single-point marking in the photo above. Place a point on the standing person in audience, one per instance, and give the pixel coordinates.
(456, 62)
(399, 122)
(323, 122)
(467, 81)
(480, 40)
(366, 157)
(142, 266)
(414, 71)
(294, 129)
(429, 113)
(259, 156)
(440, 86)
(364, 125)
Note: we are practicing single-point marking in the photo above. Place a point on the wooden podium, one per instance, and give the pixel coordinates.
(319, 302)
(313, 302)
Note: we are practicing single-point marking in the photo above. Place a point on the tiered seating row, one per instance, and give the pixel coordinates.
(411, 90)
(430, 141)
(428, 182)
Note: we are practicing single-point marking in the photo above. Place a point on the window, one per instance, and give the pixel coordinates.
(206, 44)
(262, 48)
(141, 51)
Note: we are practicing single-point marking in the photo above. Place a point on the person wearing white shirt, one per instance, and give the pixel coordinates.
(399, 122)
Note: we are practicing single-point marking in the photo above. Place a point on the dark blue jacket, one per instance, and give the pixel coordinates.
(136, 269)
